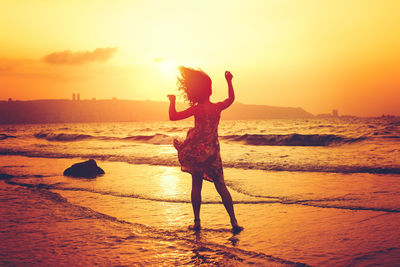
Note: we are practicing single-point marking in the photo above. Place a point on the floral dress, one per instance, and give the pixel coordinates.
(199, 154)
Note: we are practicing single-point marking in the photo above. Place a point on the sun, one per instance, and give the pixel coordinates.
(167, 67)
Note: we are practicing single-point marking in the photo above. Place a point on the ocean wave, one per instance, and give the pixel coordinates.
(5, 136)
(291, 139)
(315, 168)
(173, 162)
(248, 139)
(156, 139)
(62, 136)
(391, 137)
(333, 203)
(318, 203)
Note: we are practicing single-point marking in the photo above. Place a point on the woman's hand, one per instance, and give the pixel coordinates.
(228, 76)
(172, 98)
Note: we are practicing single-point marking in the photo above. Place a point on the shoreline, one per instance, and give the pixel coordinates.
(43, 228)
(138, 215)
(36, 236)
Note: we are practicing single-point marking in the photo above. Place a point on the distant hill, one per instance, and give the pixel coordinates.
(60, 111)
(240, 111)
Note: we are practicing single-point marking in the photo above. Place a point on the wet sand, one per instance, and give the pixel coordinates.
(137, 215)
(40, 228)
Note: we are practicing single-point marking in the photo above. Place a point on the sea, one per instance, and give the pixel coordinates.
(309, 192)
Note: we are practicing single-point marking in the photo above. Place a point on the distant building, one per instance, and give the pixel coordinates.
(10, 99)
(335, 113)
(78, 96)
(73, 97)
(114, 98)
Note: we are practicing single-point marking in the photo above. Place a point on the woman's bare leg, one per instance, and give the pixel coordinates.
(227, 200)
(197, 183)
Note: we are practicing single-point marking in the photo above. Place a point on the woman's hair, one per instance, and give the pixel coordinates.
(195, 85)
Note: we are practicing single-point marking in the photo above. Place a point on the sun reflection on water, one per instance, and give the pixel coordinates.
(168, 182)
(169, 186)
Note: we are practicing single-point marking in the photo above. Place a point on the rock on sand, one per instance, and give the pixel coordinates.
(86, 169)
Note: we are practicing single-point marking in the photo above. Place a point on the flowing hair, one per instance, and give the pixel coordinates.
(195, 85)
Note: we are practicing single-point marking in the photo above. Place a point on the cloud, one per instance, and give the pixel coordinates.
(80, 57)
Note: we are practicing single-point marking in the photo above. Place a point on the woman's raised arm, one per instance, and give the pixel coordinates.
(231, 94)
(175, 115)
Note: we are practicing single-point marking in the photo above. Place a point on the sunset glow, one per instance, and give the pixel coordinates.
(200, 133)
(168, 68)
(318, 55)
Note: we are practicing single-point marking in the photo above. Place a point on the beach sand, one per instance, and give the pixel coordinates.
(40, 228)
(138, 215)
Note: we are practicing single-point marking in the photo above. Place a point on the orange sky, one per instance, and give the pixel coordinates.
(315, 54)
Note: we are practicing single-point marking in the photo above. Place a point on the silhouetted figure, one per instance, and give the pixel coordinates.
(199, 154)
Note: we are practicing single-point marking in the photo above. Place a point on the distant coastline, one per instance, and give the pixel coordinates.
(113, 110)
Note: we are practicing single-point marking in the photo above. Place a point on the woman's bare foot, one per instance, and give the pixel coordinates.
(196, 226)
(236, 228)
